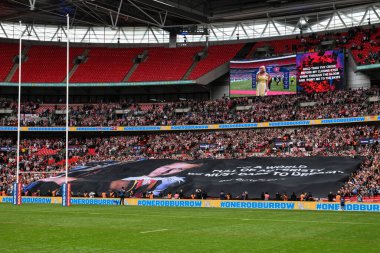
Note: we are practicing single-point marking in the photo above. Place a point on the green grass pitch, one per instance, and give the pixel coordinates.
(241, 85)
(52, 228)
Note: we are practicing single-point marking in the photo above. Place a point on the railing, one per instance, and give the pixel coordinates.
(158, 83)
(295, 123)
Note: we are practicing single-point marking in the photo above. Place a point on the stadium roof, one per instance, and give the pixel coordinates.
(159, 13)
(146, 22)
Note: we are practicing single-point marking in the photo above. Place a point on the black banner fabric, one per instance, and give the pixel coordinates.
(318, 175)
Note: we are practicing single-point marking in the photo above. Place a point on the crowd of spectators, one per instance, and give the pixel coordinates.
(46, 155)
(336, 104)
(366, 47)
(363, 42)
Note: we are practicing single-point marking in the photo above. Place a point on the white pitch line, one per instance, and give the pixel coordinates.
(228, 218)
(153, 231)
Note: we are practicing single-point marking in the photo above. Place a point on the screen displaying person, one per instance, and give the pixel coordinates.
(262, 82)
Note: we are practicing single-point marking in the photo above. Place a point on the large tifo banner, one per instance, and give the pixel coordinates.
(232, 204)
(320, 71)
(318, 175)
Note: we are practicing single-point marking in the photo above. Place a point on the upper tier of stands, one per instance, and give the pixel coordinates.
(165, 64)
(366, 47)
(312, 42)
(46, 64)
(106, 65)
(363, 43)
(280, 47)
(7, 53)
(216, 56)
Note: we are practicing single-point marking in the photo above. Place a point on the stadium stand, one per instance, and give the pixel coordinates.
(7, 53)
(165, 64)
(276, 47)
(336, 104)
(363, 44)
(44, 154)
(172, 109)
(366, 47)
(216, 56)
(106, 65)
(46, 64)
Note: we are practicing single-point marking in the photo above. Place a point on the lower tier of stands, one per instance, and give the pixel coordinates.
(337, 104)
(45, 155)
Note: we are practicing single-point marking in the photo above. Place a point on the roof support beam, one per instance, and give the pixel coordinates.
(114, 24)
(328, 23)
(245, 31)
(154, 35)
(144, 12)
(374, 10)
(233, 32)
(107, 10)
(93, 13)
(32, 4)
(251, 11)
(176, 10)
(163, 20)
(352, 18)
(275, 27)
(2, 28)
(265, 28)
(365, 14)
(344, 23)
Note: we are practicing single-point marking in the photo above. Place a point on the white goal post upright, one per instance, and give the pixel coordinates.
(17, 185)
(66, 189)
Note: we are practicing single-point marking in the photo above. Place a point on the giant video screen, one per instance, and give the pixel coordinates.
(320, 71)
(269, 77)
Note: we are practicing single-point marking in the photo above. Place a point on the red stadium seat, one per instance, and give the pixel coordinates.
(165, 64)
(106, 65)
(46, 64)
(217, 56)
(7, 53)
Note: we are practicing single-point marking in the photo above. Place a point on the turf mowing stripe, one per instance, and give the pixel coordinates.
(154, 231)
(221, 218)
(256, 219)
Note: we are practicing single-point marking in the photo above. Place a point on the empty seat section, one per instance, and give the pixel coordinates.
(165, 64)
(106, 65)
(7, 53)
(46, 64)
(216, 56)
(280, 47)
